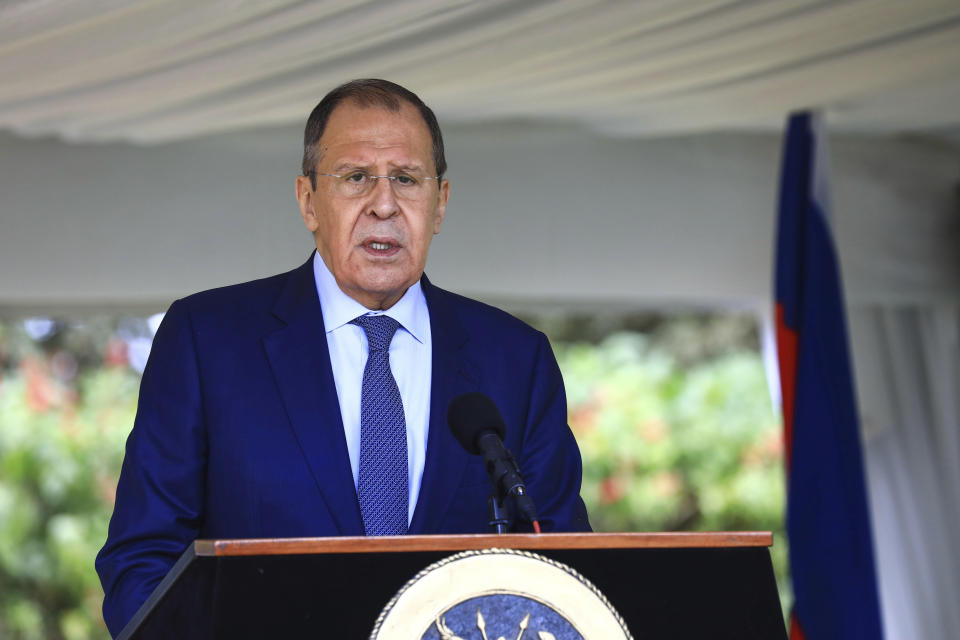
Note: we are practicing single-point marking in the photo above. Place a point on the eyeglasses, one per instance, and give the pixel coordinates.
(360, 183)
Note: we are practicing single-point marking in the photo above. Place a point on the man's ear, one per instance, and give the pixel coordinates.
(442, 199)
(304, 193)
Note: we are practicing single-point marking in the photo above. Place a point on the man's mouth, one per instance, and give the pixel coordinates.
(381, 248)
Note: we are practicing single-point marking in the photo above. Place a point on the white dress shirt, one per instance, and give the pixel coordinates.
(410, 362)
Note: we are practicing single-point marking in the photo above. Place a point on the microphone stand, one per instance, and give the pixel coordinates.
(498, 512)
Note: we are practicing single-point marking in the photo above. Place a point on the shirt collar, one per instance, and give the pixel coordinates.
(339, 309)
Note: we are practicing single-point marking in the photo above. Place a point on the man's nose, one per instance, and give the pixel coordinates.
(383, 203)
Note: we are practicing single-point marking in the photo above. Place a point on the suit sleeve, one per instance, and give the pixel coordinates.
(550, 462)
(159, 502)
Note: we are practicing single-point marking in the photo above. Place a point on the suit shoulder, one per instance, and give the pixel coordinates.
(236, 298)
(473, 314)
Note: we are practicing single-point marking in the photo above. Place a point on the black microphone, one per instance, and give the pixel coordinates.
(477, 425)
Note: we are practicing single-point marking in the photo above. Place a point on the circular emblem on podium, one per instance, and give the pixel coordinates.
(499, 594)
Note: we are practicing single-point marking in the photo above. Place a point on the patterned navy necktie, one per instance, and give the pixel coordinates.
(383, 488)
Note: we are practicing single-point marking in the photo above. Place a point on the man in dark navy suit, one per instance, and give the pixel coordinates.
(313, 403)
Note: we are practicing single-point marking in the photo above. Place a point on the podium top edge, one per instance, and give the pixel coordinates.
(555, 541)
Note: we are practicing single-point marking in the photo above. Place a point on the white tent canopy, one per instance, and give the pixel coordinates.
(609, 154)
(154, 71)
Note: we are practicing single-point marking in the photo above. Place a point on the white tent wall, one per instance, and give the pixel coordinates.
(907, 361)
(125, 228)
(538, 213)
(548, 214)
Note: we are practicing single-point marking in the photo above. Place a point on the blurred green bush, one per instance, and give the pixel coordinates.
(60, 452)
(669, 445)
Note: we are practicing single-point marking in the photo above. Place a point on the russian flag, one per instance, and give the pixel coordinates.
(828, 523)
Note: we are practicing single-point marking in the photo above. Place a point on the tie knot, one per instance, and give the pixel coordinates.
(379, 330)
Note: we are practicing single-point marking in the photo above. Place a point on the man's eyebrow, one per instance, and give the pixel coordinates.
(409, 167)
(347, 165)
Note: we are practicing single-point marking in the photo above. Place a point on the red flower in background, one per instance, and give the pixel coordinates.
(583, 418)
(611, 490)
(116, 353)
(765, 451)
(41, 391)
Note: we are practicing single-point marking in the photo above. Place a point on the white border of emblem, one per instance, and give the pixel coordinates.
(469, 574)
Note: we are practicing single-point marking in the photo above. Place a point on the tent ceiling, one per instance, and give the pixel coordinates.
(150, 71)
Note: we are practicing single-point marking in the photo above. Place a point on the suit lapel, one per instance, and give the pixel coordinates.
(301, 365)
(452, 374)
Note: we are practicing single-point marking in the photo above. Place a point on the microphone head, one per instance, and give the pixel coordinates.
(471, 414)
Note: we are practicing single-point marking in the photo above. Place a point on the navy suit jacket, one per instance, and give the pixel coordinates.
(238, 431)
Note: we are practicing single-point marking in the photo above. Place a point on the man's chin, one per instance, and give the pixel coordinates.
(382, 293)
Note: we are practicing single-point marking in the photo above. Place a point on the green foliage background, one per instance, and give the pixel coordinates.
(62, 431)
(673, 418)
(668, 447)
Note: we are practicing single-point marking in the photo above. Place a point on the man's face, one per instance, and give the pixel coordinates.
(375, 244)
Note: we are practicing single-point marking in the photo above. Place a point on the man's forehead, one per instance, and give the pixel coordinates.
(355, 132)
(362, 153)
(350, 120)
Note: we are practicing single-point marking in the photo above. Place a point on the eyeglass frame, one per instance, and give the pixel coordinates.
(392, 179)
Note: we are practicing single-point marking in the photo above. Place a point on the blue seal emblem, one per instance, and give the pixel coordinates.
(501, 615)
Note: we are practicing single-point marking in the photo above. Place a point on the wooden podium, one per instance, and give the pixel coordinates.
(664, 585)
